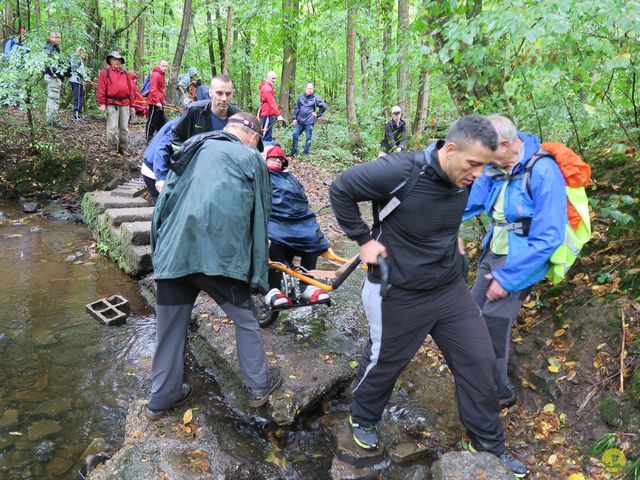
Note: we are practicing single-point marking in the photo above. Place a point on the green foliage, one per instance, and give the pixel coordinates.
(613, 206)
(605, 442)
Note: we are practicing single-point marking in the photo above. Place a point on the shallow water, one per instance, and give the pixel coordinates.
(59, 365)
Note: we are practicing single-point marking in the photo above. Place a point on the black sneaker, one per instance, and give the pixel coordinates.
(365, 437)
(516, 466)
(508, 402)
(152, 414)
(258, 398)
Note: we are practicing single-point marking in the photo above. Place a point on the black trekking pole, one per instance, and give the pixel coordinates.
(344, 271)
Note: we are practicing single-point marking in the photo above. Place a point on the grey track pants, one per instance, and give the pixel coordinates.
(500, 316)
(398, 325)
(175, 300)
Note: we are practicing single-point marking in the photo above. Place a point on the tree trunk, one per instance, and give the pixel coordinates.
(219, 32)
(212, 56)
(386, 7)
(94, 26)
(187, 18)
(127, 38)
(228, 40)
(364, 65)
(245, 91)
(352, 121)
(403, 53)
(287, 84)
(139, 52)
(7, 30)
(422, 104)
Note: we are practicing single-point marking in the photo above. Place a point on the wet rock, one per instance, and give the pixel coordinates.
(346, 449)
(343, 471)
(29, 207)
(71, 258)
(7, 440)
(467, 465)
(162, 450)
(96, 446)
(419, 472)
(18, 224)
(60, 464)
(43, 429)
(9, 419)
(58, 213)
(54, 407)
(32, 396)
(36, 229)
(44, 448)
(3, 217)
(407, 452)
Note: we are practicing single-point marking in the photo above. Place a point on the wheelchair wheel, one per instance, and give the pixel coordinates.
(265, 315)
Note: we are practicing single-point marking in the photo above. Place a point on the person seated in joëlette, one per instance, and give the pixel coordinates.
(293, 230)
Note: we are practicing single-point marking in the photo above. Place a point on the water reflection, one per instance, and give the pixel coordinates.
(65, 379)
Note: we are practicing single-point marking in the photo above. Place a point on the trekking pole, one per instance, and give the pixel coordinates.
(347, 269)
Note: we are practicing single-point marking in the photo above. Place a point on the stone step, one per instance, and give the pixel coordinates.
(127, 192)
(136, 259)
(118, 216)
(101, 201)
(136, 233)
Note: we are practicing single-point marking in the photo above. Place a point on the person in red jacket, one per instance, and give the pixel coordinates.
(269, 113)
(140, 103)
(116, 96)
(155, 99)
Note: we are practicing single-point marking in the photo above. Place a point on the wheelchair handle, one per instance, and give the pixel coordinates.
(346, 270)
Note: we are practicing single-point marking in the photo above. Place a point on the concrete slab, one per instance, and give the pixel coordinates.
(136, 233)
(106, 310)
(117, 216)
(102, 201)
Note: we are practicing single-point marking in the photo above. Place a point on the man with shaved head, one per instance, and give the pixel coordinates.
(269, 112)
(308, 109)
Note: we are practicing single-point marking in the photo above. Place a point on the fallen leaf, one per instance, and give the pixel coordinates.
(613, 460)
(576, 476)
(559, 333)
(187, 417)
(552, 459)
(216, 327)
(138, 434)
(15, 433)
(549, 408)
(553, 369)
(353, 364)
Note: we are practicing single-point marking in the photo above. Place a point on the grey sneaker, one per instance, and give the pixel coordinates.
(154, 415)
(516, 466)
(365, 437)
(258, 398)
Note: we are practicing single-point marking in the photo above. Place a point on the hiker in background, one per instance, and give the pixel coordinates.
(14, 42)
(140, 103)
(428, 294)
(305, 116)
(115, 96)
(293, 230)
(395, 138)
(184, 81)
(155, 100)
(529, 215)
(54, 74)
(78, 76)
(268, 112)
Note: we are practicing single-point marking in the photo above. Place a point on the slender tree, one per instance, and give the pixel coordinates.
(228, 40)
(187, 18)
(289, 57)
(352, 121)
(212, 55)
(403, 54)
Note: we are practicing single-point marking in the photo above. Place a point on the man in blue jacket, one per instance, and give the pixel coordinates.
(305, 116)
(526, 202)
(155, 161)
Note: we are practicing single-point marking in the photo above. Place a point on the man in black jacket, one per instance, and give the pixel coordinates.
(207, 115)
(428, 294)
(395, 133)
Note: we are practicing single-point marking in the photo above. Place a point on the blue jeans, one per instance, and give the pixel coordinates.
(297, 130)
(78, 96)
(267, 122)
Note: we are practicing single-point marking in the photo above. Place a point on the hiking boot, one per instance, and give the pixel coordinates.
(153, 414)
(516, 466)
(365, 437)
(275, 298)
(315, 295)
(258, 398)
(508, 402)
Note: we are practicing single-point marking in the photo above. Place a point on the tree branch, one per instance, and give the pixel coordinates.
(117, 32)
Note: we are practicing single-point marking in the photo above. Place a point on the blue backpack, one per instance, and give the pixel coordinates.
(144, 91)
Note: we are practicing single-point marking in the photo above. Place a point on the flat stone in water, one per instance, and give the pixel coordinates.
(96, 446)
(346, 449)
(3, 217)
(60, 464)
(32, 396)
(407, 452)
(466, 465)
(343, 471)
(55, 407)
(43, 429)
(7, 440)
(29, 207)
(9, 419)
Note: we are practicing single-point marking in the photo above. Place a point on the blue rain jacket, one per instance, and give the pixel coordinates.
(292, 223)
(544, 202)
(158, 152)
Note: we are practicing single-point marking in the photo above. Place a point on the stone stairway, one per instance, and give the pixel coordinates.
(120, 221)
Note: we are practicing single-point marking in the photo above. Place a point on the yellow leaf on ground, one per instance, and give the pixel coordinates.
(216, 327)
(517, 340)
(559, 333)
(138, 434)
(553, 369)
(187, 417)
(549, 408)
(576, 476)
(552, 459)
(614, 460)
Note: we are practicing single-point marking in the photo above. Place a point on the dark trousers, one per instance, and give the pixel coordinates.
(297, 130)
(175, 300)
(267, 127)
(77, 89)
(151, 188)
(500, 316)
(398, 326)
(155, 121)
(284, 254)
